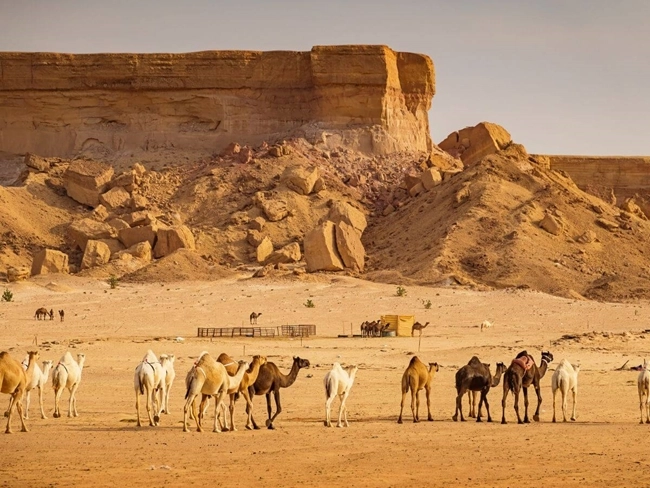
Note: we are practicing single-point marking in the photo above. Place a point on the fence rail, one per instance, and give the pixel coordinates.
(300, 330)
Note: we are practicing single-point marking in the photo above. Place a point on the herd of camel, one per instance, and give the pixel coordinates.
(225, 379)
(376, 328)
(43, 314)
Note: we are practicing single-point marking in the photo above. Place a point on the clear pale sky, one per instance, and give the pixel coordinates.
(563, 76)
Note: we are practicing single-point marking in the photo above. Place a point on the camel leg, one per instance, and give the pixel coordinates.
(328, 407)
(232, 413)
(538, 391)
(415, 404)
(554, 395)
(57, 400)
(278, 407)
(575, 399)
(345, 409)
(401, 408)
(217, 404)
(641, 405)
(18, 403)
(28, 397)
(167, 390)
(516, 395)
(487, 408)
(526, 403)
(160, 403)
(148, 394)
(565, 399)
(503, 402)
(647, 405)
(427, 390)
(459, 406)
(480, 404)
(342, 409)
(249, 409)
(137, 408)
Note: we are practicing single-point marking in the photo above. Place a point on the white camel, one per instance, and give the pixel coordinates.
(167, 361)
(643, 383)
(233, 388)
(39, 379)
(338, 382)
(67, 374)
(149, 378)
(565, 379)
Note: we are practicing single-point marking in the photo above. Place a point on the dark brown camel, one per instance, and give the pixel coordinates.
(418, 326)
(253, 318)
(41, 313)
(62, 314)
(475, 376)
(270, 380)
(522, 373)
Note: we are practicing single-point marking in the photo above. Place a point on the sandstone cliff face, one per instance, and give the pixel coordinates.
(369, 97)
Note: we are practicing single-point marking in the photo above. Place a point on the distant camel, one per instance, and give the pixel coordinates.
(416, 377)
(270, 380)
(67, 374)
(149, 380)
(643, 385)
(13, 381)
(207, 377)
(486, 324)
(522, 373)
(338, 382)
(472, 378)
(167, 361)
(41, 313)
(62, 314)
(565, 379)
(51, 314)
(253, 318)
(418, 326)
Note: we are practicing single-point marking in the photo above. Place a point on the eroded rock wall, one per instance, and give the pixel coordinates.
(369, 97)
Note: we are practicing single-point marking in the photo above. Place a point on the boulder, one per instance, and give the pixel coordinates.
(257, 223)
(128, 180)
(275, 210)
(137, 218)
(430, 178)
(173, 238)
(114, 245)
(348, 243)
(263, 271)
(254, 237)
(139, 202)
(607, 224)
(100, 213)
(463, 194)
(17, 274)
(239, 218)
(96, 254)
(231, 149)
(245, 155)
(133, 235)
(472, 144)
(344, 212)
(300, 178)
(388, 210)
(264, 250)
(630, 205)
(320, 249)
(37, 163)
(417, 189)
(49, 261)
(141, 250)
(81, 231)
(118, 224)
(551, 225)
(411, 180)
(319, 185)
(85, 181)
(139, 170)
(288, 254)
(115, 198)
(587, 237)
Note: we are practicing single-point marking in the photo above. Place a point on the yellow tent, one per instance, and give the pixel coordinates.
(401, 324)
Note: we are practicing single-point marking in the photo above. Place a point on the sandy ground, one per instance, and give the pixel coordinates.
(103, 447)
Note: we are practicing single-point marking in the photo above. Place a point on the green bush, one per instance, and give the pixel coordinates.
(309, 304)
(401, 291)
(427, 304)
(7, 296)
(113, 281)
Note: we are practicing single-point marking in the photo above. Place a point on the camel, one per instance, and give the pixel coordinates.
(270, 380)
(13, 381)
(253, 318)
(62, 314)
(67, 374)
(167, 362)
(418, 326)
(41, 313)
(150, 377)
(522, 373)
(643, 384)
(39, 379)
(565, 379)
(416, 377)
(51, 314)
(207, 377)
(338, 382)
(233, 386)
(473, 378)
(486, 324)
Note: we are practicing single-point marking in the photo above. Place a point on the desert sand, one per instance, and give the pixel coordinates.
(114, 328)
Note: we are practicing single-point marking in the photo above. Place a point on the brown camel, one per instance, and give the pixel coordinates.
(522, 373)
(253, 318)
(418, 326)
(41, 313)
(13, 381)
(61, 315)
(416, 377)
(249, 379)
(270, 380)
(472, 378)
(51, 314)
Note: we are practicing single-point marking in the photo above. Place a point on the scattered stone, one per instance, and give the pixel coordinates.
(36, 162)
(139, 170)
(257, 223)
(231, 149)
(388, 210)
(551, 225)
(417, 189)
(264, 250)
(49, 261)
(607, 224)
(319, 185)
(349, 246)
(118, 224)
(139, 202)
(95, 254)
(239, 218)
(254, 237)
(430, 178)
(629, 205)
(137, 218)
(114, 245)
(85, 181)
(463, 194)
(344, 212)
(17, 273)
(115, 198)
(300, 178)
(173, 238)
(275, 210)
(288, 254)
(141, 250)
(128, 180)
(245, 155)
(320, 249)
(81, 231)
(598, 209)
(100, 213)
(474, 143)
(263, 271)
(133, 235)
(411, 180)
(586, 237)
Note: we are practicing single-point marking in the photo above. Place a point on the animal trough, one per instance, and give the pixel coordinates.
(236, 332)
(401, 325)
(302, 330)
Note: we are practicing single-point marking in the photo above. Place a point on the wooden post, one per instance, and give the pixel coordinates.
(419, 341)
(244, 349)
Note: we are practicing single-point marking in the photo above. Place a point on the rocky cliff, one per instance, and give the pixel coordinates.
(368, 97)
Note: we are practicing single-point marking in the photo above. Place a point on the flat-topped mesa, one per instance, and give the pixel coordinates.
(368, 97)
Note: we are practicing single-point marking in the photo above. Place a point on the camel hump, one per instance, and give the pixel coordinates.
(475, 361)
(67, 358)
(522, 354)
(414, 360)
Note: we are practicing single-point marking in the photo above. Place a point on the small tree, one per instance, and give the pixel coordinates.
(401, 291)
(309, 304)
(427, 304)
(113, 281)
(7, 296)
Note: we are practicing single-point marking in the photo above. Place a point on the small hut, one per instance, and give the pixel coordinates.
(400, 324)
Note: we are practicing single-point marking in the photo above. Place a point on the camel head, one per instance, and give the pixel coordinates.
(302, 363)
(547, 356)
(352, 369)
(81, 358)
(47, 365)
(260, 359)
(32, 356)
(576, 368)
(501, 368)
(434, 366)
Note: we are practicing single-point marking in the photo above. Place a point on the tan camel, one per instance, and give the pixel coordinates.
(207, 377)
(249, 379)
(416, 377)
(13, 381)
(473, 378)
(270, 380)
(522, 373)
(418, 326)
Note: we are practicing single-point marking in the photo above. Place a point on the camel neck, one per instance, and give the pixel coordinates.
(542, 368)
(497, 378)
(288, 380)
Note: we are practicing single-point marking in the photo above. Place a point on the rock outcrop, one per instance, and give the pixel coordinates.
(321, 253)
(371, 97)
(49, 261)
(172, 239)
(84, 180)
(472, 144)
(96, 254)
